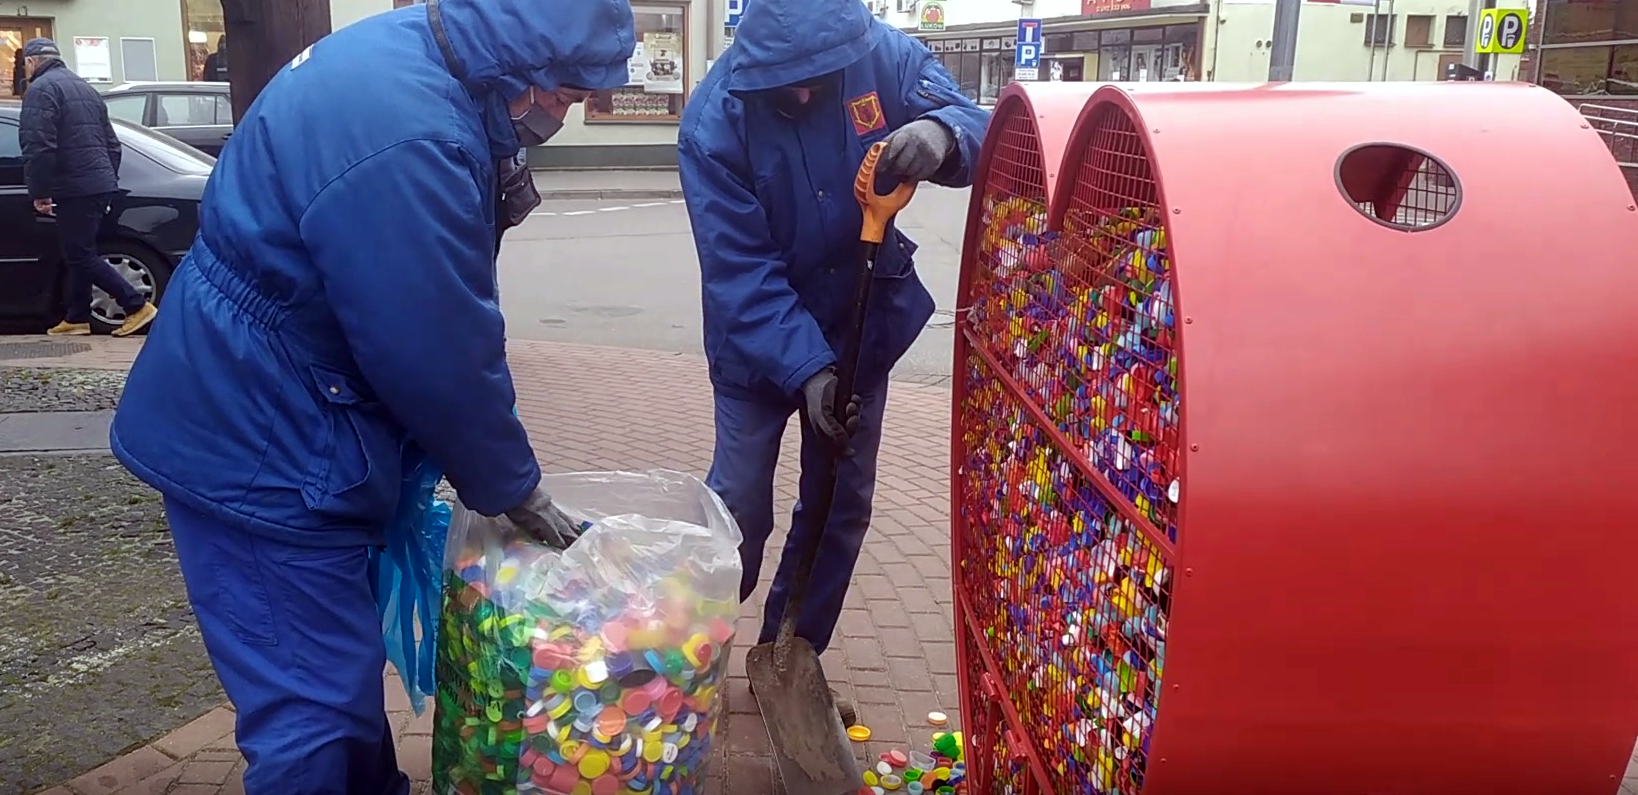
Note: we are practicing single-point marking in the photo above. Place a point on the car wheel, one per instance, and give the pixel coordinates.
(144, 268)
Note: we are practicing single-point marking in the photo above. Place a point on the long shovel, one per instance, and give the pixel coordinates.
(810, 743)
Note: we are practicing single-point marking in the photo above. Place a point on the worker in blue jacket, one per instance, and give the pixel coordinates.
(769, 147)
(336, 314)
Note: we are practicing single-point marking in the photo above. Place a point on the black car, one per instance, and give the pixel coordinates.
(197, 114)
(152, 224)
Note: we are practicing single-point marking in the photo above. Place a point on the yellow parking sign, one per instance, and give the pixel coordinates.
(1502, 31)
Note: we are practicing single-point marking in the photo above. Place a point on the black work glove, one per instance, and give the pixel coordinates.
(819, 398)
(544, 522)
(916, 151)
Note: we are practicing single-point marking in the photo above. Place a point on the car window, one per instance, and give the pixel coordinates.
(127, 106)
(224, 109)
(186, 110)
(164, 150)
(10, 148)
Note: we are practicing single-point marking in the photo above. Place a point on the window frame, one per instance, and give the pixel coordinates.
(684, 9)
(1461, 41)
(1427, 40)
(1373, 28)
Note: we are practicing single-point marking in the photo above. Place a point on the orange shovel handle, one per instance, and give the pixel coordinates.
(879, 208)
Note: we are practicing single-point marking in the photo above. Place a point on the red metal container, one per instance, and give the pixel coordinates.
(1292, 444)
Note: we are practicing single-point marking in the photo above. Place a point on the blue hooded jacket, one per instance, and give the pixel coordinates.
(771, 195)
(339, 306)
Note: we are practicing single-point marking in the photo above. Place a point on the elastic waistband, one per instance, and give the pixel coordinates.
(236, 287)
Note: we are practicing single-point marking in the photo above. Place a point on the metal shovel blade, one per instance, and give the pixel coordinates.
(810, 743)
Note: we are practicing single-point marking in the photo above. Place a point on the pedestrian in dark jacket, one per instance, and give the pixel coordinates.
(71, 165)
(216, 64)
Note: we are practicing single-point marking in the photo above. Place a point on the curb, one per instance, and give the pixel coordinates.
(633, 193)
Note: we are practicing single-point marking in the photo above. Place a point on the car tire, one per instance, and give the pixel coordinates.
(146, 269)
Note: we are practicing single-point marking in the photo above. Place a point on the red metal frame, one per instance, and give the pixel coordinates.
(1402, 537)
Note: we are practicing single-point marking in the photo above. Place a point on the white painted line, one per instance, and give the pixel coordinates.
(580, 212)
(650, 204)
(677, 201)
(541, 214)
(611, 209)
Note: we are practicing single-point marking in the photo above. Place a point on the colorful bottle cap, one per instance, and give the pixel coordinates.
(871, 779)
(858, 734)
(913, 787)
(595, 763)
(896, 758)
(937, 718)
(891, 782)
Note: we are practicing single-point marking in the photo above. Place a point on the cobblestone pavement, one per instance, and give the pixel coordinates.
(98, 649)
(30, 389)
(591, 408)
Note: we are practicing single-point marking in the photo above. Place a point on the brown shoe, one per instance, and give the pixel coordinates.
(67, 329)
(137, 320)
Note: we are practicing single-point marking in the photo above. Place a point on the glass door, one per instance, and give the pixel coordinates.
(14, 32)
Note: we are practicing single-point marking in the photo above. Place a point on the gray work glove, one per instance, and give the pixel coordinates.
(916, 151)
(544, 522)
(819, 401)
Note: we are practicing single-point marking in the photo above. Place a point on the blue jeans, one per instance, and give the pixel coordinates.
(293, 634)
(749, 432)
(79, 219)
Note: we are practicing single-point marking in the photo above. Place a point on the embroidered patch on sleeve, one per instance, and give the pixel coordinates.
(866, 112)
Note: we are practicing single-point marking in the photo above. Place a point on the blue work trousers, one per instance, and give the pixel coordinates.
(294, 637)
(749, 432)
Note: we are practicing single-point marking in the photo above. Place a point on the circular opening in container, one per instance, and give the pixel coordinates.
(1398, 186)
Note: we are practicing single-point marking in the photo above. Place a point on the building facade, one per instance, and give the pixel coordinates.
(1225, 40)
(114, 41)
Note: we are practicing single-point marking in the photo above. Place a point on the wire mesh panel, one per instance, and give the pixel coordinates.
(1068, 484)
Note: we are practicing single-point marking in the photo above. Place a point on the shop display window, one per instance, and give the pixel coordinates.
(202, 28)
(1590, 70)
(1585, 21)
(657, 84)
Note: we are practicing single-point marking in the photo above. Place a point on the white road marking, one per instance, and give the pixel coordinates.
(641, 205)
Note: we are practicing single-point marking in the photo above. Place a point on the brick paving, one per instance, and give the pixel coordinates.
(590, 408)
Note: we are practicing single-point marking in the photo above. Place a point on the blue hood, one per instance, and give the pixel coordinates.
(781, 42)
(502, 47)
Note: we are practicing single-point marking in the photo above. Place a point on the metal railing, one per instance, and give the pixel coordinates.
(1619, 129)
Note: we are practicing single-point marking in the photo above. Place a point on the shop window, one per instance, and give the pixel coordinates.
(998, 72)
(1455, 31)
(203, 30)
(1148, 35)
(1062, 42)
(129, 107)
(1576, 71)
(1084, 41)
(1183, 34)
(1581, 21)
(1418, 30)
(1379, 30)
(657, 75)
(1114, 64)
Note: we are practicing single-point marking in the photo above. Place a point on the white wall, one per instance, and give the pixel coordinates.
(346, 12)
(160, 20)
(1331, 46)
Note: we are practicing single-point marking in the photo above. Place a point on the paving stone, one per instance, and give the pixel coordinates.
(192, 738)
(122, 772)
(896, 627)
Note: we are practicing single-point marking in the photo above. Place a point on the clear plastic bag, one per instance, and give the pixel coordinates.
(408, 578)
(594, 671)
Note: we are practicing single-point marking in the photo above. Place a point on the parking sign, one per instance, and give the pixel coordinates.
(1027, 60)
(1501, 31)
(732, 11)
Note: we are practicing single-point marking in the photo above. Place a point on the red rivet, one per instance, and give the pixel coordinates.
(1194, 448)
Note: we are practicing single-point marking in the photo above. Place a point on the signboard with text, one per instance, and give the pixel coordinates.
(1027, 50)
(1094, 7)
(931, 16)
(732, 11)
